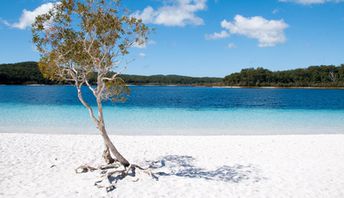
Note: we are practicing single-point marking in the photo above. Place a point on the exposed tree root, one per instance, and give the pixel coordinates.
(107, 156)
(110, 174)
(84, 169)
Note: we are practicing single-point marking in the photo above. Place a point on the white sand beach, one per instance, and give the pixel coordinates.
(38, 165)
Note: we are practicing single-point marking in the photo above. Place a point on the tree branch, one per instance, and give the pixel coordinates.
(81, 98)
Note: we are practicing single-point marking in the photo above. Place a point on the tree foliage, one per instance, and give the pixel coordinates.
(79, 40)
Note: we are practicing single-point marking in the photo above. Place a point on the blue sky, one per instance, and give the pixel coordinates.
(209, 37)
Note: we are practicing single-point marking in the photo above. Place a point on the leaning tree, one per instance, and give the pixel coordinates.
(84, 42)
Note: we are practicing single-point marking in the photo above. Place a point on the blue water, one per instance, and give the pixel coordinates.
(176, 110)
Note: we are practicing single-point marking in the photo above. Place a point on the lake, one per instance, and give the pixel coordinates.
(169, 110)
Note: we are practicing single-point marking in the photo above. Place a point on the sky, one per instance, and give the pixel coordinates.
(207, 37)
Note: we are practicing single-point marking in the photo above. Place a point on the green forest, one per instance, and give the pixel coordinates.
(29, 73)
(22, 73)
(314, 76)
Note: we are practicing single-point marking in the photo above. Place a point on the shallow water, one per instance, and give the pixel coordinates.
(163, 110)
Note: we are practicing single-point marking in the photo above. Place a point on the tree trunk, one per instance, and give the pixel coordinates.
(109, 146)
(107, 140)
(112, 147)
(107, 156)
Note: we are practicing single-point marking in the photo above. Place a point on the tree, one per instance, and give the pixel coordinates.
(79, 39)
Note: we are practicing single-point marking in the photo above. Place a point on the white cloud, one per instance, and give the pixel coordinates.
(28, 17)
(309, 2)
(140, 45)
(231, 45)
(175, 13)
(142, 54)
(143, 45)
(275, 11)
(4, 22)
(217, 35)
(268, 32)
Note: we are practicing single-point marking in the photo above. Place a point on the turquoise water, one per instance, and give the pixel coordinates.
(176, 110)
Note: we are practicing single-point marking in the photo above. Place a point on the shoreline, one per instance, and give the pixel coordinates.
(191, 85)
(179, 134)
(267, 87)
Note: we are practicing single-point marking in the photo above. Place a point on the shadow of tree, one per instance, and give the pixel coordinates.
(183, 166)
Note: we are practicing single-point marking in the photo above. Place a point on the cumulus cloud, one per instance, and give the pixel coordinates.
(142, 54)
(28, 17)
(268, 33)
(309, 2)
(175, 13)
(217, 35)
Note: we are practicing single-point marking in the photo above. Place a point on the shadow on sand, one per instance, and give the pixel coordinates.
(183, 166)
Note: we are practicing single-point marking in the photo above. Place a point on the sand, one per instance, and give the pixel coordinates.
(38, 165)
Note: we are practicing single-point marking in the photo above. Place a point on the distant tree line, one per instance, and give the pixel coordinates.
(170, 80)
(314, 76)
(22, 73)
(29, 73)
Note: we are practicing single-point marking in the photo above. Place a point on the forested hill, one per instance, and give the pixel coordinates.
(171, 80)
(314, 76)
(29, 73)
(22, 73)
